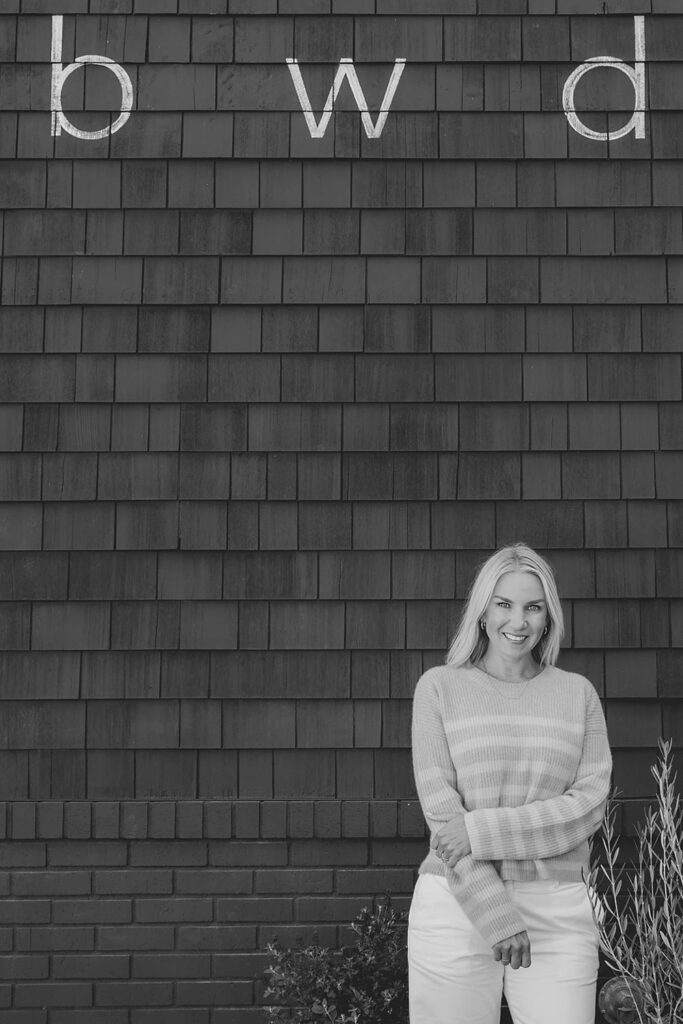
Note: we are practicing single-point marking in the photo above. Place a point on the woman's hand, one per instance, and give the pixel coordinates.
(514, 951)
(452, 842)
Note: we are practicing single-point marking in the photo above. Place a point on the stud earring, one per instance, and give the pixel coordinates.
(482, 626)
(545, 631)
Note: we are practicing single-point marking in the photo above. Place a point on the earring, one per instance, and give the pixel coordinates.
(545, 631)
(482, 626)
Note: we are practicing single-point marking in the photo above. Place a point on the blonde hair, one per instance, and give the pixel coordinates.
(470, 641)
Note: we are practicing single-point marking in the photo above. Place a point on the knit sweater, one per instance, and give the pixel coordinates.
(528, 764)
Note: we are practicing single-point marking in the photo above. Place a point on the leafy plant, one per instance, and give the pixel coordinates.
(639, 911)
(362, 984)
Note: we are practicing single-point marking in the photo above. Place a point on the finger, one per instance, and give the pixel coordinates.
(526, 956)
(497, 952)
(516, 958)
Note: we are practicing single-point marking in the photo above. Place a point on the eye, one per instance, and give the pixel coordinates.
(535, 607)
(503, 604)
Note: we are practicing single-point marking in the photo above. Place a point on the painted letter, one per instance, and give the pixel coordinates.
(348, 71)
(636, 74)
(59, 76)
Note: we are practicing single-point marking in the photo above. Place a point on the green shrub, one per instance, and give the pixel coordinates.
(639, 910)
(362, 984)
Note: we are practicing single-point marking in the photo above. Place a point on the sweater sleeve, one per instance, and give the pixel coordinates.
(476, 885)
(546, 828)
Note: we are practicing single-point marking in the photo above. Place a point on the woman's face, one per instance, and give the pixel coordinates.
(516, 615)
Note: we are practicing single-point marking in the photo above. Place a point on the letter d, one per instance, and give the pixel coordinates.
(636, 74)
(60, 75)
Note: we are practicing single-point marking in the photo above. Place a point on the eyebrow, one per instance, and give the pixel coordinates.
(501, 598)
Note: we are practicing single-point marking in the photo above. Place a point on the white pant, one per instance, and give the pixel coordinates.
(454, 979)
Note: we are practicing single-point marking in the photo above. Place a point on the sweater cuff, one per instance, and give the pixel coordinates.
(473, 823)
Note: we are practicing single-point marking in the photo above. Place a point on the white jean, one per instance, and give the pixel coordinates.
(453, 978)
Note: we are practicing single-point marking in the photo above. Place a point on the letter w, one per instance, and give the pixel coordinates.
(348, 71)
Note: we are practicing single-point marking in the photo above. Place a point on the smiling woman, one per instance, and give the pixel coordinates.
(512, 768)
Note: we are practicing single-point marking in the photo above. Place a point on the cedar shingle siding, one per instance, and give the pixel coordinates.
(267, 400)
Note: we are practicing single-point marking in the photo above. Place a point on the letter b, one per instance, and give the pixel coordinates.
(60, 73)
(637, 76)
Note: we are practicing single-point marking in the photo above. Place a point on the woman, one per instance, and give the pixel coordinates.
(512, 767)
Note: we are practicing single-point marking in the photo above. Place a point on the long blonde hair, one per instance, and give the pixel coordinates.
(470, 641)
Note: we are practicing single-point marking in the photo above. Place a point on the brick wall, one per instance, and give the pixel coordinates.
(266, 402)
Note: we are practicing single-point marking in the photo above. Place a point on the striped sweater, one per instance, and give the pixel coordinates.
(528, 764)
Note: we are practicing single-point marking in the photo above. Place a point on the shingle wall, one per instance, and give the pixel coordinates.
(267, 400)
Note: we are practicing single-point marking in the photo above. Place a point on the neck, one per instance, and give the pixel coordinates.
(510, 671)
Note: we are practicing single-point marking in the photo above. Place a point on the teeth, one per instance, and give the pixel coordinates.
(515, 637)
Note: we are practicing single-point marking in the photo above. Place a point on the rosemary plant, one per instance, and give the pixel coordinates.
(639, 909)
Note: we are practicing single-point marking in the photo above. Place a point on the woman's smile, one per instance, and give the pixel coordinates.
(514, 621)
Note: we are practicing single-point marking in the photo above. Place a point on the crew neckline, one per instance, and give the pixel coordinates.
(512, 690)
